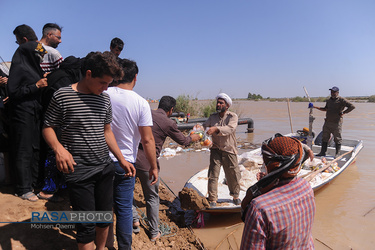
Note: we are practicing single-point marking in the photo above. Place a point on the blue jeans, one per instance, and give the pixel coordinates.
(123, 188)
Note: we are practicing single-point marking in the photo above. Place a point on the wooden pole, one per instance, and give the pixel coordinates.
(311, 120)
(312, 175)
(290, 117)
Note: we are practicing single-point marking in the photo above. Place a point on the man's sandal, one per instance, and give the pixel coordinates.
(30, 196)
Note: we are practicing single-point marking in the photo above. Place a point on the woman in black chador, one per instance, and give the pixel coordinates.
(25, 84)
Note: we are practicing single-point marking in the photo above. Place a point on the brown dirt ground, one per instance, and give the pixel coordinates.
(21, 235)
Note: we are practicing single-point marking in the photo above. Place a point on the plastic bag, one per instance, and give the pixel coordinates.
(205, 140)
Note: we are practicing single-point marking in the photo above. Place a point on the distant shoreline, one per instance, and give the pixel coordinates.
(358, 99)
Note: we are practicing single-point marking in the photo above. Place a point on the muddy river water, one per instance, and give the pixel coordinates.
(345, 208)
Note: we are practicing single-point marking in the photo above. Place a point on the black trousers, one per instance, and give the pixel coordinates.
(92, 194)
(24, 153)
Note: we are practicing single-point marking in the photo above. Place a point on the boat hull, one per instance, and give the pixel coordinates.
(225, 204)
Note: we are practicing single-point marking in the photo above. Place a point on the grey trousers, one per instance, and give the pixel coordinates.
(231, 170)
(151, 194)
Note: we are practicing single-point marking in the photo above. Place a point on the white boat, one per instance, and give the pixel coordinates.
(251, 163)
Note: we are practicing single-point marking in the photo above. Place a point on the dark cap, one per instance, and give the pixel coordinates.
(335, 89)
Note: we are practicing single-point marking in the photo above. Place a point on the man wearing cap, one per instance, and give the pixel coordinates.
(279, 209)
(222, 127)
(335, 106)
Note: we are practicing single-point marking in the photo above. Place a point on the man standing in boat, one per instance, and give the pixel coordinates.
(222, 127)
(334, 107)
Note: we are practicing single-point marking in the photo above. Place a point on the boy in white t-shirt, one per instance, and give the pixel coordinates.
(132, 122)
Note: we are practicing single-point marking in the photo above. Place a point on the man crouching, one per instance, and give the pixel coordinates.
(279, 209)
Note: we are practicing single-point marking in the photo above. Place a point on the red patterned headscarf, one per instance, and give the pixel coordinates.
(280, 150)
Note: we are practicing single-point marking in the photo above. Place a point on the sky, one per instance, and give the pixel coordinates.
(201, 48)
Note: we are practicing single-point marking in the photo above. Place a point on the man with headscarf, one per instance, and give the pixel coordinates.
(222, 127)
(280, 207)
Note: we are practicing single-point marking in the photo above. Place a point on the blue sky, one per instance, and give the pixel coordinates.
(201, 48)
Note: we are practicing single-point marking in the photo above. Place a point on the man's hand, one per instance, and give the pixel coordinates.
(311, 154)
(260, 175)
(5, 100)
(3, 80)
(212, 130)
(42, 83)
(64, 160)
(195, 137)
(153, 175)
(128, 167)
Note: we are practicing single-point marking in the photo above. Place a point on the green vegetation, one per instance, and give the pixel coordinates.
(188, 104)
(254, 97)
(184, 104)
(371, 98)
(209, 108)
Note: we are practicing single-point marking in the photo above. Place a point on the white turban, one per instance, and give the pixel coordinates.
(225, 97)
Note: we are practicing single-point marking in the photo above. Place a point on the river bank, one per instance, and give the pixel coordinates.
(21, 234)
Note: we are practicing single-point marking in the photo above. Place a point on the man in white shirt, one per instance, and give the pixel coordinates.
(132, 122)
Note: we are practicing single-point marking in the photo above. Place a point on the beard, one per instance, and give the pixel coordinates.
(220, 110)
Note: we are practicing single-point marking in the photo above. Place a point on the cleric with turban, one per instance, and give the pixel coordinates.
(222, 127)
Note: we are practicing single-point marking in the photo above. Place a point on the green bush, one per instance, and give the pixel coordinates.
(299, 99)
(251, 96)
(183, 104)
(209, 108)
(371, 98)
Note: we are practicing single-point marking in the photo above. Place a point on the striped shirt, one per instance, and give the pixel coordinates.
(81, 118)
(51, 60)
(281, 218)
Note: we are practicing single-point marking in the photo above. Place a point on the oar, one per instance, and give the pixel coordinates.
(312, 175)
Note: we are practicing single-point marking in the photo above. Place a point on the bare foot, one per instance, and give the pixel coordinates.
(156, 237)
(44, 196)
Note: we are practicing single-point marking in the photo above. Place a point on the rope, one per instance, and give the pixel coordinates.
(189, 227)
(164, 228)
(165, 184)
